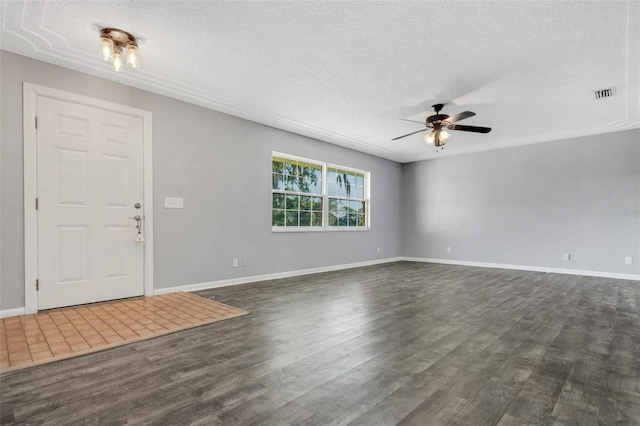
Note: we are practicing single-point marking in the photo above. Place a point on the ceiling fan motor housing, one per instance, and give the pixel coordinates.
(437, 117)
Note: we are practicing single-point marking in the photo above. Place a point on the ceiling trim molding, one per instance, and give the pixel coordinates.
(26, 31)
(549, 137)
(24, 21)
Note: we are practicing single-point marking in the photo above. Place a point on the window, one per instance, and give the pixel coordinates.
(347, 205)
(314, 196)
(297, 193)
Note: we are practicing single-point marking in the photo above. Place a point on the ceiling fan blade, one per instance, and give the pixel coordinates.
(409, 134)
(474, 129)
(461, 116)
(413, 121)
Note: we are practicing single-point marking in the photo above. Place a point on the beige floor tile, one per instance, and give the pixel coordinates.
(33, 339)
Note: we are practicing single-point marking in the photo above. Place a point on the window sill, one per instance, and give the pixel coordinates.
(347, 228)
(285, 229)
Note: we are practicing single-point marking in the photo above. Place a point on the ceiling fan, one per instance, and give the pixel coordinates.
(438, 123)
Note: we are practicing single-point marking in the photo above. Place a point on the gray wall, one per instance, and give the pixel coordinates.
(221, 166)
(528, 205)
(522, 206)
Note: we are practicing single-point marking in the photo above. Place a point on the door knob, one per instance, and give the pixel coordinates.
(138, 219)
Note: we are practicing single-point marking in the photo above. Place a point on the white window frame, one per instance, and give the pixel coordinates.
(325, 197)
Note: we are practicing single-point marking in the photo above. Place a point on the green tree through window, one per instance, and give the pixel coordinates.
(309, 194)
(294, 184)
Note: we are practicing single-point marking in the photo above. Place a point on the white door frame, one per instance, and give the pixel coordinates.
(30, 93)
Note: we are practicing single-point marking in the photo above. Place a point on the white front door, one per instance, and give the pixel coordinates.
(89, 182)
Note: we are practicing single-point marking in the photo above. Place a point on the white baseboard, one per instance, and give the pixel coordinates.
(256, 278)
(12, 312)
(635, 277)
(266, 277)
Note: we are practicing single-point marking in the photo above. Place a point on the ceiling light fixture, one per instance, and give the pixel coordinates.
(439, 123)
(115, 43)
(437, 137)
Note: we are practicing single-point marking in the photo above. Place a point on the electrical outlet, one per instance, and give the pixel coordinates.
(235, 262)
(628, 260)
(448, 249)
(566, 256)
(378, 250)
(244, 262)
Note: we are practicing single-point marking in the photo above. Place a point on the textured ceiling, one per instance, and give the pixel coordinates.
(346, 72)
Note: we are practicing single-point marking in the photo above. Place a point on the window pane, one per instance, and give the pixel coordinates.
(333, 206)
(346, 212)
(317, 203)
(312, 179)
(305, 203)
(343, 207)
(342, 188)
(292, 202)
(316, 187)
(359, 179)
(303, 184)
(316, 219)
(339, 206)
(278, 181)
(277, 166)
(278, 201)
(332, 188)
(333, 219)
(315, 173)
(290, 183)
(305, 218)
(332, 175)
(359, 192)
(310, 184)
(290, 169)
(277, 218)
(351, 179)
(291, 218)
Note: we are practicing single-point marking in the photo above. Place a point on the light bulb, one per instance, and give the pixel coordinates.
(444, 135)
(133, 59)
(117, 59)
(106, 48)
(430, 138)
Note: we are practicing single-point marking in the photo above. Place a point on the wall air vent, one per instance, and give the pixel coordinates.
(604, 93)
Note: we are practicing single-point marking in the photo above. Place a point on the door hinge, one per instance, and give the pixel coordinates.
(37, 284)
(36, 122)
(36, 204)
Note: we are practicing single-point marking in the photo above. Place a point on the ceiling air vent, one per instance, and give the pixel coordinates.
(604, 93)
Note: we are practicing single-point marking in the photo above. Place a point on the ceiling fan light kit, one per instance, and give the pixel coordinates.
(116, 44)
(438, 123)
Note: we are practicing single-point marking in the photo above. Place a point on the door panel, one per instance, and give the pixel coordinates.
(71, 173)
(90, 175)
(115, 181)
(116, 251)
(72, 264)
(72, 127)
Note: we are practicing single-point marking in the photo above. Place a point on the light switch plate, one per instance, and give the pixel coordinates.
(628, 260)
(173, 203)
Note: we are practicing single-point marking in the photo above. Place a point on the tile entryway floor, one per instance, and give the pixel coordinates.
(60, 333)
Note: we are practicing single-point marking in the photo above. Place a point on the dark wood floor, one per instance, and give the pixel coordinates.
(401, 343)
